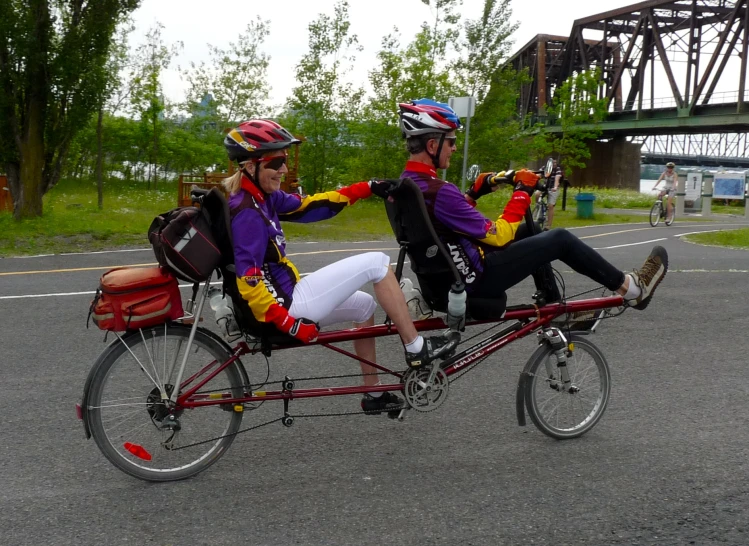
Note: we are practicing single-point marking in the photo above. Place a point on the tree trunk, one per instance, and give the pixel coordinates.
(99, 159)
(28, 202)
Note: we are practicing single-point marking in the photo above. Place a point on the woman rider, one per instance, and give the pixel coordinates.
(270, 283)
(669, 177)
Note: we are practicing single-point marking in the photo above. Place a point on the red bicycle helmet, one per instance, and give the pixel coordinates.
(253, 138)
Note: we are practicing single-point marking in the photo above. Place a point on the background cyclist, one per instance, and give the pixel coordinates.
(669, 178)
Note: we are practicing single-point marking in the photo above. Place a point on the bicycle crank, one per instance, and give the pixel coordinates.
(426, 388)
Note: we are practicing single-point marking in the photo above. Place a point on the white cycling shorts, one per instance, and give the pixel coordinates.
(331, 295)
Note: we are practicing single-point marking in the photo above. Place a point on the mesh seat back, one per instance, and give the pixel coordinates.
(215, 204)
(429, 258)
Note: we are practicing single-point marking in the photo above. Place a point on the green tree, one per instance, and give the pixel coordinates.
(118, 58)
(147, 99)
(235, 80)
(323, 104)
(52, 56)
(496, 130)
(404, 73)
(578, 107)
(486, 46)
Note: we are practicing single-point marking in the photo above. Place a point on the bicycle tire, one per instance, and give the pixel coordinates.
(123, 392)
(590, 376)
(655, 214)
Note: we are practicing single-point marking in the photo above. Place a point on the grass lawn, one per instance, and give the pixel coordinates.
(73, 223)
(735, 238)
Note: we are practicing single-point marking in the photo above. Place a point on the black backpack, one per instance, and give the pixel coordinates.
(183, 242)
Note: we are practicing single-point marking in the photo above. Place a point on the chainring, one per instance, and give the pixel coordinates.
(421, 395)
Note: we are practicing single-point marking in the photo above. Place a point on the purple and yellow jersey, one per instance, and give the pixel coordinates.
(467, 234)
(265, 276)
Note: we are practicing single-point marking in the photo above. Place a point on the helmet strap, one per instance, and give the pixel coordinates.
(436, 157)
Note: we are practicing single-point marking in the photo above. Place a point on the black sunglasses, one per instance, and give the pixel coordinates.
(273, 163)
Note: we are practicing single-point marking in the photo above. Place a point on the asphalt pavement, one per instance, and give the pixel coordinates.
(666, 465)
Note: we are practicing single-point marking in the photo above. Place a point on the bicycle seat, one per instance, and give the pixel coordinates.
(430, 260)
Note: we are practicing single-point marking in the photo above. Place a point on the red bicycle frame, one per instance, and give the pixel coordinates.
(527, 319)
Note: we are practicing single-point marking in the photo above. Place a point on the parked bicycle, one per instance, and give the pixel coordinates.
(165, 402)
(659, 211)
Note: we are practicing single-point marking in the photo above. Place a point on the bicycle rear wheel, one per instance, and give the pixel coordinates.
(567, 411)
(655, 214)
(133, 427)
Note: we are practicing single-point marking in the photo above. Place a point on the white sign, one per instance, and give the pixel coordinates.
(729, 186)
(464, 106)
(693, 186)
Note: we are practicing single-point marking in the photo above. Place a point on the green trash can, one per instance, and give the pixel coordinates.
(585, 205)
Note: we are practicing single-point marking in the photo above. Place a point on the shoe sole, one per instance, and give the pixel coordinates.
(644, 303)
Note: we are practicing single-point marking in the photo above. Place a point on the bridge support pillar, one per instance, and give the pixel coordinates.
(681, 192)
(612, 164)
(707, 196)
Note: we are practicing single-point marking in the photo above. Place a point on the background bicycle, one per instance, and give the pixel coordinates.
(658, 212)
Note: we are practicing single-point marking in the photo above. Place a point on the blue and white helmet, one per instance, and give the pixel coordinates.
(425, 116)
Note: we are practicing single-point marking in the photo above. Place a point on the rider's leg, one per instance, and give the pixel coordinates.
(507, 267)
(543, 277)
(551, 201)
(319, 295)
(367, 349)
(549, 216)
(670, 206)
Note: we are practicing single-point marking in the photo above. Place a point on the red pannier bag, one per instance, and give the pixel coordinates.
(136, 297)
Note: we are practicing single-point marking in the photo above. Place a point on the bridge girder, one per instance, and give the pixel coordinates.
(692, 51)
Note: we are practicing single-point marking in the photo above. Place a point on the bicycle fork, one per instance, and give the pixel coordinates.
(559, 345)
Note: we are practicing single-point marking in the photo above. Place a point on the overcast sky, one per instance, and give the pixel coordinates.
(199, 22)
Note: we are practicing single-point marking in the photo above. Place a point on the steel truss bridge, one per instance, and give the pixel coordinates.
(729, 150)
(666, 67)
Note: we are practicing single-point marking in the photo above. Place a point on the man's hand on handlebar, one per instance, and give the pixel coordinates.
(483, 185)
(526, 181)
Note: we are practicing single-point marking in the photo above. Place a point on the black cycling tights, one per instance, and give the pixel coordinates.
(524, 256)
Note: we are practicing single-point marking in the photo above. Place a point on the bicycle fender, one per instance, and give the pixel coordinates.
(523, 383)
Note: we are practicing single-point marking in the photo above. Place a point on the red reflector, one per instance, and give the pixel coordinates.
(138, 451)
(79, 411)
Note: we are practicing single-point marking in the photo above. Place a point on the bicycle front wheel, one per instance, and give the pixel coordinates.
(538, 215)
(131, 424)
(561, 410)
(655, 214)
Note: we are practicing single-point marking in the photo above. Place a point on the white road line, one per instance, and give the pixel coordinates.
(695, 232)
(630, 244)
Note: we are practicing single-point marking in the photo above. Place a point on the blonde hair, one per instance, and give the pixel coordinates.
(234, 183)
